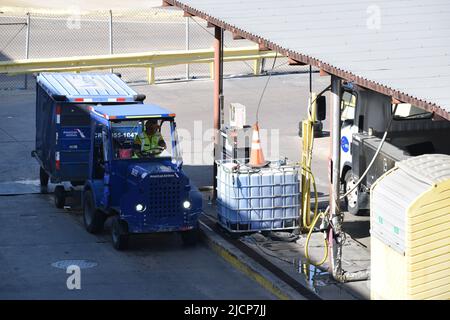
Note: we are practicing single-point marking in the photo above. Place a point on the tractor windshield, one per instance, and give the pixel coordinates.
(144, 139)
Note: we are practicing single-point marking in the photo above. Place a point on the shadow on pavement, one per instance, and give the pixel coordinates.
(200, 175)
(357, 229)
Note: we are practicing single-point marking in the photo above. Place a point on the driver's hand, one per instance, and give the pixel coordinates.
(150, 152)
(157, 150)
(162, 144)
(138, 154)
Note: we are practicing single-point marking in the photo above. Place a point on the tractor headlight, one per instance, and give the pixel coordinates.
(186, 204)
(140, 207)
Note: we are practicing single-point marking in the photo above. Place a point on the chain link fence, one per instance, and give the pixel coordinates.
(13, 46)
(49, 35)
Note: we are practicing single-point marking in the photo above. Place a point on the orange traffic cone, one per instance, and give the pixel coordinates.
(256, 155)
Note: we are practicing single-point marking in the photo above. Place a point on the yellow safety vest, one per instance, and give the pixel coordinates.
(149, 143)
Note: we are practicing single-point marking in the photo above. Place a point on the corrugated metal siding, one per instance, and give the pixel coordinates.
(397, 47)
(388, 205)
(428, 272)
(432, 168)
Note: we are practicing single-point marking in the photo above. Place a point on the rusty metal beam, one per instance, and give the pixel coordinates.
(187, 14)
(218, 98)
(293, 62)
(396, 101)
(237, 36)
(262, 47)
(326, 67)
(166, 4)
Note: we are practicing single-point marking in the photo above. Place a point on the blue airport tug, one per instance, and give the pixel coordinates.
(63, 127)
(143, 191)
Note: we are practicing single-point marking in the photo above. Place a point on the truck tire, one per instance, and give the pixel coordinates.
(93, 218)
(190, 238)
(59, 197)
(43, 179)
(119, 233)
(351, 201)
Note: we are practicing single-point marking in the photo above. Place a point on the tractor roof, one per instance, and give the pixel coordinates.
(131, 111)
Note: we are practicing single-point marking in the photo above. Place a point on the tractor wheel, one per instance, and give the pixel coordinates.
(43, 178)
(119, 233)
(94, 219)
(59, 197)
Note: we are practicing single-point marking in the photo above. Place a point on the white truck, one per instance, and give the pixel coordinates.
(365, 116)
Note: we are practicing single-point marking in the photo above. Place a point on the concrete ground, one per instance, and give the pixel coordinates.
(35, 234)
(287, 253)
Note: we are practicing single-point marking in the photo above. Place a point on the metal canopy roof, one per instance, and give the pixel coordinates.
(400, 48)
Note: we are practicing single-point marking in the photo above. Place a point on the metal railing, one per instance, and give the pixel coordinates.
(149, 60)
(74, 34)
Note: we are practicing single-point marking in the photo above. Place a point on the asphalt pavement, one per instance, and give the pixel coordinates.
(38, 241)
(34, 234)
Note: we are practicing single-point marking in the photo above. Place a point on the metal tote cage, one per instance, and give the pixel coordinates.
(258, 199)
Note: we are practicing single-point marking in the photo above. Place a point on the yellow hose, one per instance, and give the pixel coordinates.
(305, 223)
(308, 237)
(308, 141)
(307, 177)
(313, 224)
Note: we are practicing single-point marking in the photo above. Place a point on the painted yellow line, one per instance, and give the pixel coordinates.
(236, 263)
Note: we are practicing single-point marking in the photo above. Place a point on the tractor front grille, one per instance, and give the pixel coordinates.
(165, 198)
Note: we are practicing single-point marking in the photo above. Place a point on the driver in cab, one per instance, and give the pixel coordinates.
(150, 142)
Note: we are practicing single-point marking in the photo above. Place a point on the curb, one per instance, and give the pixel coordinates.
(250, 268)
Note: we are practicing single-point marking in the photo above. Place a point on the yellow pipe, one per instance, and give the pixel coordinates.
(142, 59)
(151, 75)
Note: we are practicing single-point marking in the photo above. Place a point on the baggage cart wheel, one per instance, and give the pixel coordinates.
(190, 238)
(43, 178)
(119, 233)
(93, 218)
(59, 196)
